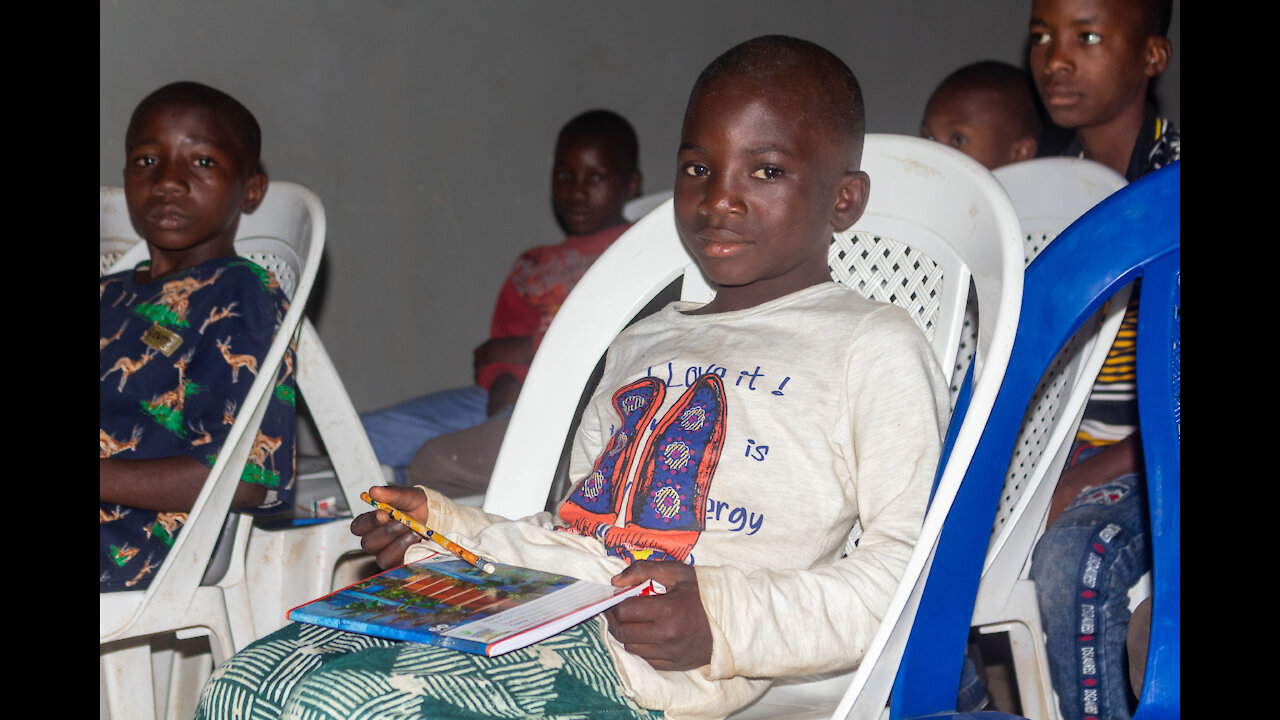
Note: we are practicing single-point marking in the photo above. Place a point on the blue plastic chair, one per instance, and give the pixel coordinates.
(1134, 233)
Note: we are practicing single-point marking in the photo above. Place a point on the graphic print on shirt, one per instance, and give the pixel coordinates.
(594, 506)
(663, 507)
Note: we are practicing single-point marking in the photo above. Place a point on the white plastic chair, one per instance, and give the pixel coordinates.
(285, 235)
(290, 566)
(316, 553)
(645, 204)
(1048, 195)
(935, 217)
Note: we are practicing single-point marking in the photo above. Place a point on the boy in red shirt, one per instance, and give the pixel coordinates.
(594, 174)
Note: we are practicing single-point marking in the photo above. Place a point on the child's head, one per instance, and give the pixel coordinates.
(1093, 60)
(768, 168)
(987, 111)
(191, 169)
(595, 172)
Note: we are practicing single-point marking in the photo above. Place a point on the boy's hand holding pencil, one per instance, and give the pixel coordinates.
(429, 534)
(380, 534)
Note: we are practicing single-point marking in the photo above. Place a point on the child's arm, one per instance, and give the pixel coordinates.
(169, 484)
(512, 330)
(495, 363)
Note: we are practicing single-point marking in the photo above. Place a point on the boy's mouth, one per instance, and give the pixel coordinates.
(721, 243)
(1059, 96)
(167, 217)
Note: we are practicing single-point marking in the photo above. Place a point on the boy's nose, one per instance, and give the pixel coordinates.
(170, 179)
(1056, 57)
(721, 198)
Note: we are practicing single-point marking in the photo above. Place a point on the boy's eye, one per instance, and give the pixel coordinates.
(1039, 38)
(694, 169)
(768, 172)
(205, 162)
(958, 140)
(1090, 38)
(144, 161)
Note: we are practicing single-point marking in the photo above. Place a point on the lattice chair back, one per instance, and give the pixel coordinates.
(1049, 194)
(289, 226)
(1133, 233)
(935, 219)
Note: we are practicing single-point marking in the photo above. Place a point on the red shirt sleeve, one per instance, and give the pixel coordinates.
(513, 316)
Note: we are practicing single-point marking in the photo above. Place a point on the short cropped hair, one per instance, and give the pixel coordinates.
(759, 58)
(243, 124)
(1012, 85)
(609, 126)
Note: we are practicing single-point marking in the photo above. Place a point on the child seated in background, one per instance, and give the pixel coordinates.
(594, 173)
(1093, 62)
(855, 437)
(183, 333)
(987, 111)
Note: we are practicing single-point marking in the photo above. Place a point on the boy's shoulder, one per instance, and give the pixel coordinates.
(830, 308)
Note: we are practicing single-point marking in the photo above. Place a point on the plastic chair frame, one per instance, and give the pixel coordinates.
(1048, 194)
(1134, 233)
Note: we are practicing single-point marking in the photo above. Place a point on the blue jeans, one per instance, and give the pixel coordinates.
(396, 432)
(1083, 567)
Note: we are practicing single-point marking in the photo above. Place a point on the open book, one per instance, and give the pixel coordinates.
(443, 600)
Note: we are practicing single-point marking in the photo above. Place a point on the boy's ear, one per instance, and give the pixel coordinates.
(635, 185)
(1157, 52)
(255, 189)
(1024, 149)
(851, 199)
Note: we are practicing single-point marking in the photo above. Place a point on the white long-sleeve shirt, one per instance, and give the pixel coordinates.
(825, 409)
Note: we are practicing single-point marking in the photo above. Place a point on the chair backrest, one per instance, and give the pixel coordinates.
(645, 204)
(1049, 194)
(286, 235)
(934, 220)
(900, 251)
(1134, 232)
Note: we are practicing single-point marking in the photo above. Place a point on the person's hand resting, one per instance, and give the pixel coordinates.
(516, 350)
(502, 392)
(380, 534)
(670, 631)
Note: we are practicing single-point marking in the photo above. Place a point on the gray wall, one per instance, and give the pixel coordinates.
(426, 127)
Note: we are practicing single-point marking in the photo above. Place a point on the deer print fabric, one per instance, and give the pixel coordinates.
(176, 359)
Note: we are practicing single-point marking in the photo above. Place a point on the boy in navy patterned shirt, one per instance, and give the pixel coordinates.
(182, 334)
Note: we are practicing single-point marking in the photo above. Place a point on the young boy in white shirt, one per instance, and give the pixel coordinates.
(727, 453)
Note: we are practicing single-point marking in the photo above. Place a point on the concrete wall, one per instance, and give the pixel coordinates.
(426, 127)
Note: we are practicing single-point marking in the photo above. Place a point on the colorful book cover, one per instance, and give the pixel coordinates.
(443, 600)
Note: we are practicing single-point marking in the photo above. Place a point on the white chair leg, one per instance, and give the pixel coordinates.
(191, 667)
(126, 672)
(1030, 658)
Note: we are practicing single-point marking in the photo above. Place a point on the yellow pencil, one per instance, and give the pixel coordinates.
(426, 532)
